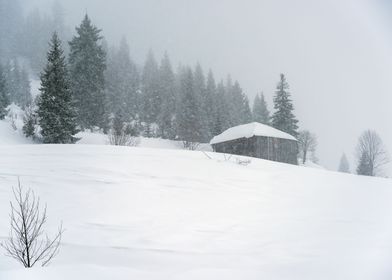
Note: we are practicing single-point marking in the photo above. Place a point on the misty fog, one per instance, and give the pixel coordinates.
(335, 54)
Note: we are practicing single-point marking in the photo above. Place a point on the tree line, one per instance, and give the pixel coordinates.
(105, 86)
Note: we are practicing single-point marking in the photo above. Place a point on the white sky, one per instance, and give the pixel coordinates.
(335, 53)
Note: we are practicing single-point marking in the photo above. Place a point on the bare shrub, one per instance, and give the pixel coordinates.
(123, 133)
(30, 122)
(307, 144)
(28, 243)
(13, 118)
(123, 137)
(371, 154)
(192, 146)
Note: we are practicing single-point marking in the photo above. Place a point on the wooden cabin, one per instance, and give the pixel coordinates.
(259, 141)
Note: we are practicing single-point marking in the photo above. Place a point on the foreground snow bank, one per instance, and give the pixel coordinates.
(136, 213)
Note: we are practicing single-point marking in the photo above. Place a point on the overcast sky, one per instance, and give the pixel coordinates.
(336, 53)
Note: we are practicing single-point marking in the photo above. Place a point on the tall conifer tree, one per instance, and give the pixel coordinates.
(189, 122)
(4, 100)
(200, 94)
(122, 83)
(151, 98)
(344, 166)
(260, 110)
(56, 112)
(210, 103)
(87, 62)
(166, 118)
(283, 117)
(222, 110)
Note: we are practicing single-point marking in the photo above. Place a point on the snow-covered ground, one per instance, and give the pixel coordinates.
(139, 213)
(159, 212)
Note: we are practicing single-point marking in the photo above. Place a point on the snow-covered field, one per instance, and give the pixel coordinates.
(158, 212)
(138, 213)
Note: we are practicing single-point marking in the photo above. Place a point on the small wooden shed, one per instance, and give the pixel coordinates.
(259, 141)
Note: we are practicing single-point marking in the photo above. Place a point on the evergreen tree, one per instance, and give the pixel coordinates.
(11, 20)
(239, 110)
(166, 118)
(222, 112)
(344, 166)
(4, 100)
(151, 99)
(188, 119)
(23, 96)
(246, 111)
(122, 83)
(87, 62)
(283, 117)
(199, 85)
(18, 85)
(56, 112)
(209, 103)
(30, 121)
(260, 111)
(364, 166)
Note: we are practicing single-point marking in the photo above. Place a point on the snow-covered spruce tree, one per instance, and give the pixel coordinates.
(199, 86)
(18, 85)
(24, 90)
(209, 103)
(189, 124)
(122, 82)
(283, 117)
(221, 112)
(239, 110)
(30, 122)
(4, 100)
(151, 98)
(87, 63)
(260, 111)
(246, 111)
(344, 166)
(56, 112)
(167, 88)
(364, 166)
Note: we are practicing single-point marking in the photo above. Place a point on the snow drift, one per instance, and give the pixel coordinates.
(137, 213)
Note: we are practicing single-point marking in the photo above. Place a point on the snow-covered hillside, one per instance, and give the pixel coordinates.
(10, 135)
(137, 213)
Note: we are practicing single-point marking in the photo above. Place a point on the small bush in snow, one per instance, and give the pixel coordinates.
(192, 146)
(30, 122)
(13, 118)
(123, 134)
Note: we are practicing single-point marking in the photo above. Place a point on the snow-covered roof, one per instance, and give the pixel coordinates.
(249, 130)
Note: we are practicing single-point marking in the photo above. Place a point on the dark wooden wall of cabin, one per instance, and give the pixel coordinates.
(275, 149)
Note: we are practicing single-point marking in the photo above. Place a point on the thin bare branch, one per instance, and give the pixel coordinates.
(27, 242)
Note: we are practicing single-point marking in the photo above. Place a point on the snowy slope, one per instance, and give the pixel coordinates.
(137, 213)
(9, 136)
